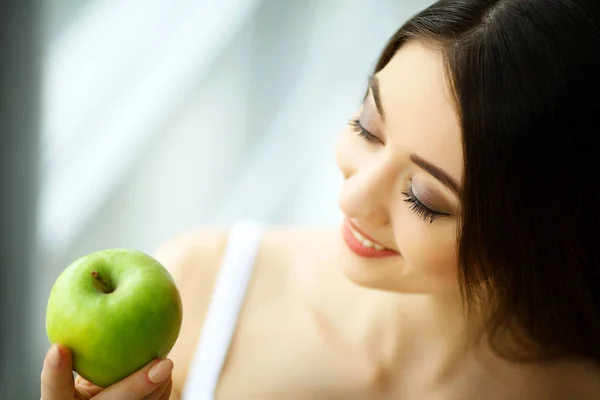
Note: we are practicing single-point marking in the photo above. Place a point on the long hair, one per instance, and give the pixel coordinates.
(526, 81)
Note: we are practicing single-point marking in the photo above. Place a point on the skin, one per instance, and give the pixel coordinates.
(152, 382)
(321, 322)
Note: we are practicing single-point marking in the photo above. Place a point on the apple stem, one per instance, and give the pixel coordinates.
(101, 282)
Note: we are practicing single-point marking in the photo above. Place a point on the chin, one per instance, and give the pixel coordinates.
(369, 273)
(381, 274)
(362, 279)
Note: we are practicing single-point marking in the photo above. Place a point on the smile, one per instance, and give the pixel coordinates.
(363, 245)
(365, 242)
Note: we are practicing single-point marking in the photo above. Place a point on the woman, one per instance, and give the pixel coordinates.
(467, 266)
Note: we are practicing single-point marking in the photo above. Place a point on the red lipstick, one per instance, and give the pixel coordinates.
(362, 244)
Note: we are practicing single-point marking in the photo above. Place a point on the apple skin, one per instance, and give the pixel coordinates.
(112, 335)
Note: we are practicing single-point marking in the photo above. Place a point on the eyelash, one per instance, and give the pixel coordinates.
(362, 132)
(421, 210)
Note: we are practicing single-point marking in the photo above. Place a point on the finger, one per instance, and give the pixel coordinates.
(57, 374)
(159, 393)
(139, 384)
(167, 393)
(84, 389)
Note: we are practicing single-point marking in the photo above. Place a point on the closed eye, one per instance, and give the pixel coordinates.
(421, 210)
(362, 132)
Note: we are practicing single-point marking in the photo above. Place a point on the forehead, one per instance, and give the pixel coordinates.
(420, 116)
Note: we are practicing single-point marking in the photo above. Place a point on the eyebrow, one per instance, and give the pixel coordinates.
(374, 86)
(436, 172)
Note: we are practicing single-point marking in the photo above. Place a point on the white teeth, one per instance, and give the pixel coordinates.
(366, 242)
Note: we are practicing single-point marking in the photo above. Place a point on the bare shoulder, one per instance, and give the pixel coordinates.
(193, 254)
(289, 256)
(194, 259)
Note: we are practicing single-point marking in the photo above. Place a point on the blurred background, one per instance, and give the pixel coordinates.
(125, 122)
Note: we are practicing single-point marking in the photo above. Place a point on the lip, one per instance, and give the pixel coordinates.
(358, 248)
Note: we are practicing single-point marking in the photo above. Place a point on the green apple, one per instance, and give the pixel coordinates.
(116, 310)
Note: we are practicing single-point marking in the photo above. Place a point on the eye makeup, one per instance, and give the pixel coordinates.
(425, 203)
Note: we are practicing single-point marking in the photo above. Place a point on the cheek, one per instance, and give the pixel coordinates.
(429, 250)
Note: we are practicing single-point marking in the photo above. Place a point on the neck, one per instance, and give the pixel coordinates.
(429, 331)
(436, 318)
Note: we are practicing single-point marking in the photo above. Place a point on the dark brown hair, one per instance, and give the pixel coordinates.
(526, 80)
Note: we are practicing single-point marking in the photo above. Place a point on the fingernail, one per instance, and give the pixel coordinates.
(160, 371)
(54, 356)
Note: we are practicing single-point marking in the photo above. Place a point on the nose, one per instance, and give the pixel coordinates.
(366, 192)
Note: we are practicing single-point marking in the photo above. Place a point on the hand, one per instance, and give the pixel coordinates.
(152, 382)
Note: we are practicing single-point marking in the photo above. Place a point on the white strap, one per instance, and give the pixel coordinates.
(223, 312)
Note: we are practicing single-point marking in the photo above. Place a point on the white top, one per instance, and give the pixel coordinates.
(222, 314)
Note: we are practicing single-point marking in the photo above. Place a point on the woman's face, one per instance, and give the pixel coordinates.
(402, 164)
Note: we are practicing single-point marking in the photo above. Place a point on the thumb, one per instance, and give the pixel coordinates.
(57, 376)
